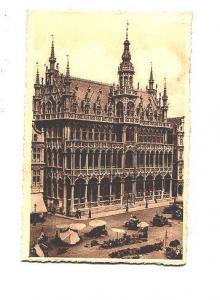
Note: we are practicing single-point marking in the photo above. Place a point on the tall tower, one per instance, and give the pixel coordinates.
(126, 69)
(165, 100)
(151, 80)
(52, 58)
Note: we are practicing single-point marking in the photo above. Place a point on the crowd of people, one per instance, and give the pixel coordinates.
(125, 240)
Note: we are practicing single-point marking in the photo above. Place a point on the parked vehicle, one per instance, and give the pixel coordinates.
(132, 223)
(160, 220)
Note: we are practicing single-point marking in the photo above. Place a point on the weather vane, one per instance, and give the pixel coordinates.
(127, 30)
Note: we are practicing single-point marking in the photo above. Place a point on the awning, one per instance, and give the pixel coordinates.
(37, 203)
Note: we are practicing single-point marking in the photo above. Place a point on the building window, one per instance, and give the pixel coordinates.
(78, 131)
(36, 154)
(96, 136)
(35, 137)
(102, 134)
(90, 134)
(84, 134)
(36, 178)
(72, 133)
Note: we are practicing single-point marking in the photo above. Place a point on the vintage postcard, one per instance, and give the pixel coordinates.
(106, 137)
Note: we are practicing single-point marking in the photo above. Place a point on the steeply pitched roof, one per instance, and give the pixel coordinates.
(95, 86)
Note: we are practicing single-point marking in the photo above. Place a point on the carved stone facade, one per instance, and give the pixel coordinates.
(104, 146)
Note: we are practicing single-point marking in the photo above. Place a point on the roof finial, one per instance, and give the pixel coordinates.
(165, 88)
(37, 75)
(67, 67)
(52, 54)
(127, 24)
(151, 73)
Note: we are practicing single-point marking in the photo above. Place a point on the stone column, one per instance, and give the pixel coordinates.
(98, 194)
(72, 199)
(162, 188)
(87, 160)
(111, 159)
(153, 192)
(73, 160)
(123, 134)
(86, 198)
(93, 160)
(133, 189)
(99, 160)
(110, 191)
(163, 161)
(122, 191)
(80, 158)
(123, 160)
(135, 160)
(171, 185)
(64, 199)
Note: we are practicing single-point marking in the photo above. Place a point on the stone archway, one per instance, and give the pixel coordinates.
(79, 191)
(116, 187)
(92, 192)
(105, 189)
(140, 186)
(128, 185)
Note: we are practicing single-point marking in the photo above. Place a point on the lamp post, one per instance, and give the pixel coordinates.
(127, 198)
(90, 211)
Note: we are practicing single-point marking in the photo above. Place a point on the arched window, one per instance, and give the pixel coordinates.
(129, 159)
(119, 109)
(116, 187)
(108, 159)
(90, 159)
(77, 159)
(129, 134)
(120, 159)
(48, 107)
(96, 159)
(130, 109)
(103, 159)
(140, 186)
(92, 192)
(105, 188)
(49, 157)
(60, 189)
(83, 159)
(69, 160)
(60, 158)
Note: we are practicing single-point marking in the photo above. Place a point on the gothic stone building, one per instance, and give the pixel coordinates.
(103, 146)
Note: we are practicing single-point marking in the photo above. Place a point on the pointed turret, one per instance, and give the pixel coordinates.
(52, 58)
(151, 80)
(67, 78)
(67, 67)
(37, 82)
(165, 99)
(126, 69)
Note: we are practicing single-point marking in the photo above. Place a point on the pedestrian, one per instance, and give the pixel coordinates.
(79, 214)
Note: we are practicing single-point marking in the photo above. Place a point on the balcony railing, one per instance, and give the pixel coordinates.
(100, 118)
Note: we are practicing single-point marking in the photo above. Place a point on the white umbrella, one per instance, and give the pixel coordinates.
(118, 230)
(62, 227)
(143, 225)
(97, 223)
(77, 226)
(39, 251)
(69, 237)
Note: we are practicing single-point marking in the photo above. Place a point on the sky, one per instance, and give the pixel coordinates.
(94, 43)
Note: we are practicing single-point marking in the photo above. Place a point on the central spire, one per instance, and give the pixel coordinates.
(127, 30)
(52, 58)
(126, 69)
